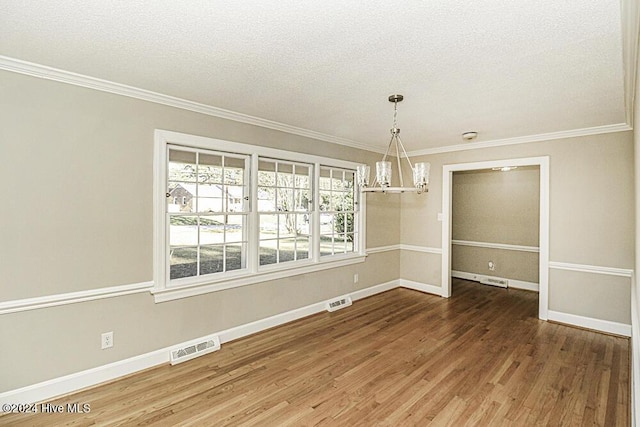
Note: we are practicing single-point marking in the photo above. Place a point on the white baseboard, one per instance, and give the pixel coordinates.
(591, 323)
(374, 290)
(70, 383)
(74, 382)
(289, 316)
(422, 287)
(513, 283)
(269, 322)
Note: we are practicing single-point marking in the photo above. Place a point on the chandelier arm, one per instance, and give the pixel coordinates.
(405, 153)
(398, 161)
(386, 154)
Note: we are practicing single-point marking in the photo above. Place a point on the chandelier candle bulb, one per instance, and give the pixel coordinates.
(383, 173)
(362, 175)
(421, 174)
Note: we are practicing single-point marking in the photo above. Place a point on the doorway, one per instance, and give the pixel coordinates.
(447, 198)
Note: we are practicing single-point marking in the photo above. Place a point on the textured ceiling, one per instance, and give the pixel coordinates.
(503, 69)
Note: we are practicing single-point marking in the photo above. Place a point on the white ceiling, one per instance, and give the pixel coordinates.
(505, 69)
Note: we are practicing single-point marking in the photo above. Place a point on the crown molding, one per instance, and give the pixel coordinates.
(620, 127)
(68, 77)
(50, 73)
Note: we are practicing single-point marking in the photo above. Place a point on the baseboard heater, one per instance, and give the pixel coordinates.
(338, 303)
(493, 281)
(195, 349)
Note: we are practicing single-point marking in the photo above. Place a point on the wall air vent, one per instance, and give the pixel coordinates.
(338, 303)
(494, 281)
(192, 349)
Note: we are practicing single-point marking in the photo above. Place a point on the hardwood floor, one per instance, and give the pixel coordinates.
(400, 358)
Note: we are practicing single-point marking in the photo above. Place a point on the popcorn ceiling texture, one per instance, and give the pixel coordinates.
(504, 69)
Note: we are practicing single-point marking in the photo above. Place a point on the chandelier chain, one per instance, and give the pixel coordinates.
(395, 115)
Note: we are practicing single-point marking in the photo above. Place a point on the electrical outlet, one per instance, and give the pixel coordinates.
(492, 266)
(107, 340)
(355, 278)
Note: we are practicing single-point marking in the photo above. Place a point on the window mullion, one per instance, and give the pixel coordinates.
(315, 213)
(197, 213)
(361, 215)
(253, 249)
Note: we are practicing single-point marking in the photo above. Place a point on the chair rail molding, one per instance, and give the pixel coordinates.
(35, 303)
(504, 246)
(596, 269)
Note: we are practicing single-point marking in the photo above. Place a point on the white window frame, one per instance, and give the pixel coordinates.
(311, 257)
(164, 290)
(197, 212)
(356, 229)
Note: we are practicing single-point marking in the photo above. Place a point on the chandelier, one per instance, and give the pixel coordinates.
(382, 182)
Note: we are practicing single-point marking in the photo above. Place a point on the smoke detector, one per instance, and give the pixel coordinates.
(468, 136)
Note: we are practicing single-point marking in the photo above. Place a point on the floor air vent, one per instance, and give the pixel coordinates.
(194, 349)
(503, 283)
(338, 303)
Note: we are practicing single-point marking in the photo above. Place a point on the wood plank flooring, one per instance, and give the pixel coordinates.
(400, 358)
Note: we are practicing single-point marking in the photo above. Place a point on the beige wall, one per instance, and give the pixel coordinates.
(591, 216)
(496, 207)
(383, 219)
(77, 215)
(590, 295)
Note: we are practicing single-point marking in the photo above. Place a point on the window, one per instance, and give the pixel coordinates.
(284, 210)
(207, 231)
(337, 211)
(230, 214)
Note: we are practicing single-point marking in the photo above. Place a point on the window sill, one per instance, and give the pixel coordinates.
(186, 291)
